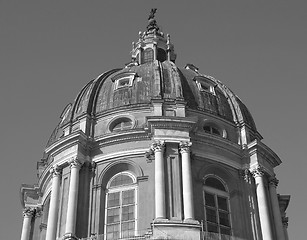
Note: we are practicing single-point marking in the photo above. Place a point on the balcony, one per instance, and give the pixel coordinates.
(149, 236)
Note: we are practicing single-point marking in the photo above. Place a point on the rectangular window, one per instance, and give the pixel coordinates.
(217, 214)
(120, 214)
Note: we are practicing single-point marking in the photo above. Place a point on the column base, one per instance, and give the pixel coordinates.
(69, 236)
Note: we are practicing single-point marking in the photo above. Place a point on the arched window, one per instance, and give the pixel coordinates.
(216, 206)
(120, 208)
(148, 55)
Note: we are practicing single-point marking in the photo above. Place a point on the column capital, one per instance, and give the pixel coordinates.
(273, 181)
(158, 146)
(69, 236)
(29, 212)
(185, 146)
(258, 172)
(56, 171)
(75, 163)
(38, 212)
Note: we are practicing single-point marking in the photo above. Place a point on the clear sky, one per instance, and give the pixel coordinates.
(50, 49)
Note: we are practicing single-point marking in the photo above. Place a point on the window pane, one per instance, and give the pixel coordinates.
(207, 129)
(112, 231)
(121, 179)
(211, 215)
(215, 131)
(123, 82)
(128, 213)
(225, 231)
(128, 197)
(224, 219)
(213, 182)
(128, 229)
(212, 227)
(222, 202)
(113, 199)
(113, 215)
(209, 199)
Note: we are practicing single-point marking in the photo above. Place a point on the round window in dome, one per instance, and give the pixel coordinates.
(121, 124)
(212, 130)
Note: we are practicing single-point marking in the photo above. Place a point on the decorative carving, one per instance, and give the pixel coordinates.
(38, 212)
(245, 174)
(29, 212)
(56, 171)
(150, 155)
(258, 172)
(75, 163)
(158, 146)
(273, 181)
(285, 221)
(69, 236)
(185, 147)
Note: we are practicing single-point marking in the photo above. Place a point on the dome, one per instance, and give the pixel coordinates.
(152, 75)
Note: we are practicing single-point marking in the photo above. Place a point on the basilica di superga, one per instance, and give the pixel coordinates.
(155, 151)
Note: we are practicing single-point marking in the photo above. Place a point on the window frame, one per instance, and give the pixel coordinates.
(217, 193)
(123, 77)
(121, 189)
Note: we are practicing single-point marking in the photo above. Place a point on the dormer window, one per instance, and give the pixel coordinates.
(123, 80)
(205, 85)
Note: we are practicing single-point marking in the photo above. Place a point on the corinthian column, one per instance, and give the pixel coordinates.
(54, 203)
(273, 182)
(28, 214)
(75, 166)
(158, 148)
(187, 188)
(263, 207)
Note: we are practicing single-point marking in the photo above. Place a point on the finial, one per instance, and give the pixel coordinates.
(152, 13)
(168, 37)
(152, 24)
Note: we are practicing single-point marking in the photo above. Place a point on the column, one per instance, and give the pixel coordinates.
(54, 203)
(285, 227)
(158, 148)
(263, 207)
(70, 227)
(273, 182)
(28, 214)
(187, 187)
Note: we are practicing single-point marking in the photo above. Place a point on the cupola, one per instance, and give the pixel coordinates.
(152, 44)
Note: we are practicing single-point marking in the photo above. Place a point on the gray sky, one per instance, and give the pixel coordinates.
(50, 50)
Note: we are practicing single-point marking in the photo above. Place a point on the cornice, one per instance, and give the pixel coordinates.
(32, 191)
(67, 141)
(217, 158)
(118, 137)
(167, 122)
(257, 147)
(120, 154)
(218, 142)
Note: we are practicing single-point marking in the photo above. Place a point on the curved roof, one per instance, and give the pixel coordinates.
(152, 74)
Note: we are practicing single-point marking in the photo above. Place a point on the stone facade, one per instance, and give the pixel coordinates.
(153, 151)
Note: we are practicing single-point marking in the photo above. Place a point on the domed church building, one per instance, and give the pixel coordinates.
(155, 151)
